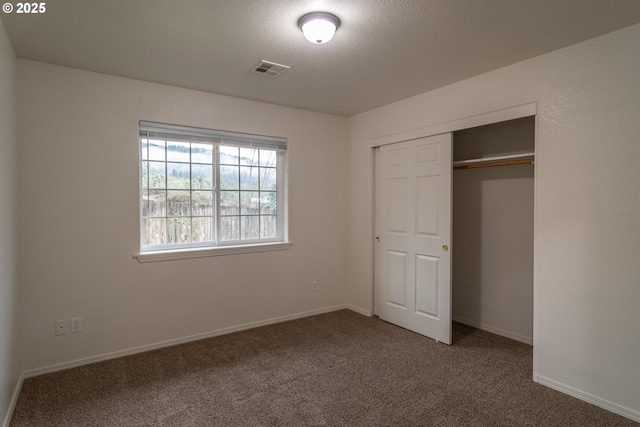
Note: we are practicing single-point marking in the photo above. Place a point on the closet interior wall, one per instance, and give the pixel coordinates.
(492, 262)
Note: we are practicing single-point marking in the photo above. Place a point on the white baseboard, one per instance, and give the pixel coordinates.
(589, 398)
(497, 331)
(14, 401)
(169, 343)
(359, 310)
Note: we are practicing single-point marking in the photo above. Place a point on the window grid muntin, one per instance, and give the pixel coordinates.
(187, 220)
(276, 152)
(242, 218)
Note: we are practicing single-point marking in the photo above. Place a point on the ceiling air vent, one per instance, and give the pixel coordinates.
(270, 69)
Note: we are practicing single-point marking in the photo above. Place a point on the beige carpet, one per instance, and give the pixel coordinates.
(336, 369)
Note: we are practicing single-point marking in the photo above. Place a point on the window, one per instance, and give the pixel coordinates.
(203, 188)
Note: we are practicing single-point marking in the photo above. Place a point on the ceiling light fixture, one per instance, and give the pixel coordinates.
(319, 27)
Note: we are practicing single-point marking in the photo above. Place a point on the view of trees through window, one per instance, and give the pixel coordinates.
(179, 193)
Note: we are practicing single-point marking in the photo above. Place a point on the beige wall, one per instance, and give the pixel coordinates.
(492, 262)
(586, 270)
(9, 307)
(78, 185)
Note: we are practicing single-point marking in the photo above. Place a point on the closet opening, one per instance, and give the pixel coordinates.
(493, 207)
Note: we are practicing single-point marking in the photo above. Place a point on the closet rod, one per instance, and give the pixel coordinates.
(487, 164)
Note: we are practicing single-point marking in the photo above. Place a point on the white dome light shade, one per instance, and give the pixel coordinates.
(319, 27)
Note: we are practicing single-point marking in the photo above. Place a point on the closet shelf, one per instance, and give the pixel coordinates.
(513, 159)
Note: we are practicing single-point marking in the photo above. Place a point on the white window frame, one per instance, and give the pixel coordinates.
(216, 138)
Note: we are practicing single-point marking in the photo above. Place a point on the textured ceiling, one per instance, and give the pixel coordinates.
(384, 51)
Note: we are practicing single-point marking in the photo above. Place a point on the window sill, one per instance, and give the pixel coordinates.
(209, 252)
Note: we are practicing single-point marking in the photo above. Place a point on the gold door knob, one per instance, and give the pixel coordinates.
(445, 248)
(377, 239)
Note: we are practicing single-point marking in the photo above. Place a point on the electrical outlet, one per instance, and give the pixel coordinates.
(76, 325)
(314, 286)
(62, 327)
